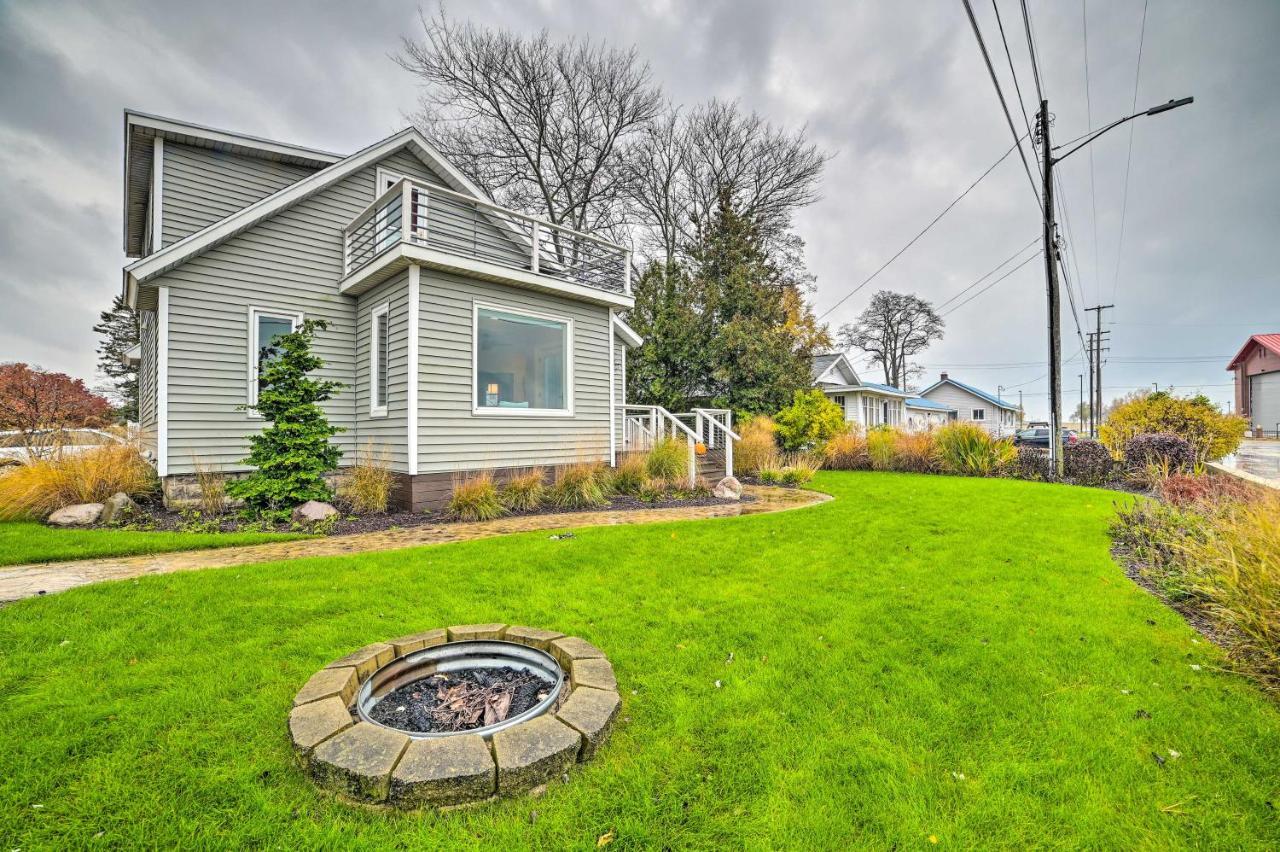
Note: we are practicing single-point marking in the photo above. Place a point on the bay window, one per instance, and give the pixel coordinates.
(522, 362)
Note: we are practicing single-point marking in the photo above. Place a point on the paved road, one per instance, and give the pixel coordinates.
(1260, 458)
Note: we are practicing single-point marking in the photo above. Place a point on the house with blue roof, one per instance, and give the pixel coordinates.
(974, 405)
(869, 404)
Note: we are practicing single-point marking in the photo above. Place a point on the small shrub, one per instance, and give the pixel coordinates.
(970, 450)
(475, 498)
(368, 483)
(1196, 420)
(669, 459)
(1087, 463)
(846, 451)
(769, 476)
(915, 452)
(811, 420)
(579, 486)
(880, 444)
(34, 490)
(630, 475)
(1152, 457)
(1032, 463)
(212, 483)
(1187, 491)
(757, 445)
(798, 471)
(525, 492)
(654, 490)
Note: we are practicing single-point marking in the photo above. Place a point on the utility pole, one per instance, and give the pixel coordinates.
(1080, 409)
(1088, 357)
(1051, 283)
(1021, 411)
(1098, 336)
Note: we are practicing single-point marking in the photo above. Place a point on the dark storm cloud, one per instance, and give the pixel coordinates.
(897, 91)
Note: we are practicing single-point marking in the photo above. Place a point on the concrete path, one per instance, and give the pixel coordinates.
(25, 581)
(1258, 458)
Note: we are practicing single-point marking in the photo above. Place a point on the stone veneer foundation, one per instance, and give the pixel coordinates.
(372, 764)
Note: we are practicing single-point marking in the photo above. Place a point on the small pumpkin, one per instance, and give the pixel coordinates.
(700, 448)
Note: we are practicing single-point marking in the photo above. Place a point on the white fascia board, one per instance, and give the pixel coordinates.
(411, 438)
(627, 333)
(844, 358)
(162, 125)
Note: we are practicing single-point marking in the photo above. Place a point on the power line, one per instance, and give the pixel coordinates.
(992, 284)
(1124, 204)
(912, 241)
(1088, 105)
(1031, 51)
(995, 81)
(1012, 73)
(988, 275)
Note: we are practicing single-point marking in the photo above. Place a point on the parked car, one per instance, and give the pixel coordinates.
(1039, 437)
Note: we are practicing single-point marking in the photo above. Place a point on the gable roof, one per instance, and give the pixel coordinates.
(201, 241)
(921, 402)
(822, 367)
(981, 394)
(1270, 342)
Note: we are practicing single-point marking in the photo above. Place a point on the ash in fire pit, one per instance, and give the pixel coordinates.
(461, 700)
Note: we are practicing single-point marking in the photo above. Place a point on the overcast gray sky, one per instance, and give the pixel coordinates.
(897, 90)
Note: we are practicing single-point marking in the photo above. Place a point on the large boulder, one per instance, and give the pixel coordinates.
(312, 512)
(117, 508)
(728, 488)
(79, 515)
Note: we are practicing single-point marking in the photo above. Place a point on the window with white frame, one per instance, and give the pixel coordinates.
(893, 412)
(838, 400)
(523, 362)
(386, 180)
(872, 413)
(979, 414)
(265, 327)
(379, 359)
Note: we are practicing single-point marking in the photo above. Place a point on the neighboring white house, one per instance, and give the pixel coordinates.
(868, 404)
(973, 405)
(466, 336)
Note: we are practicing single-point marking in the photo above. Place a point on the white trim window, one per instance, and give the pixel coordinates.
(521, 362)
(979, 414)
(379, 359)
(872, 412)
(265, 326)
(385, 180)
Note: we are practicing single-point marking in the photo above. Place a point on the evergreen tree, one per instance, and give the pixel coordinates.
(119, 330)
(292, 454)
(670, 368)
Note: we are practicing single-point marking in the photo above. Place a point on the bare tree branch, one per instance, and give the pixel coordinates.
(894, 327)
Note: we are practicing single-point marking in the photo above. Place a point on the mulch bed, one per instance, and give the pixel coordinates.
(156, 517)
(461, 700)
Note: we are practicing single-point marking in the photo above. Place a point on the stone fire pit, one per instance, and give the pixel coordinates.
(345, 750)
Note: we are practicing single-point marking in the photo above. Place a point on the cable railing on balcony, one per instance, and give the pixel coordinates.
(458, 224)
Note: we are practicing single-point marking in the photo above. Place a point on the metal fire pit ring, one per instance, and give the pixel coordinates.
(455, 656)
(347, 753)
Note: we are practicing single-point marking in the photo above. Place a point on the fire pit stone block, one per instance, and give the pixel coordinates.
(533, 753)
(340, 682)
(358, 761)
(367, 660)
(417, 641)
(570, 648)
(531, 636)
(443, 772)
(593, 673)
(591, 712)
(464, 632)
(313, 723)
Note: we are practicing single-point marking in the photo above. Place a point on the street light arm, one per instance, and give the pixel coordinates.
(1155, 110)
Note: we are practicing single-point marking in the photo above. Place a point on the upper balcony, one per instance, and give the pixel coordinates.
(417, 223)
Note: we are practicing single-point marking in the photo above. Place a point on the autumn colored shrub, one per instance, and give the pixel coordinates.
(1196, 420)
(915, 452)
(1087, 463)
(1148, 458)
(1032, 463)
(34, 490)
(811, 420)
(846, 451)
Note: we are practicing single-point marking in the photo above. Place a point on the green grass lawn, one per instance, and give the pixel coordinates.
(22, 542)
(924, 657)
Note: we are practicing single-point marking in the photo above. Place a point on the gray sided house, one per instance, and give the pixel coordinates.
(974, 405)
(467, 336)
(867, 404)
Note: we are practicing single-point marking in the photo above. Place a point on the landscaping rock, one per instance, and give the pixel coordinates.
(338, 683)
(728, 488)
(590, 712)
(367, 660)
(446, 771)
(462, 632)
(312, 724)
(569, 648)
(79, 515)
(531, 636)
(118, 507)
(417, 641)
(594, 673)
(312, 512)
(359, 760)
(533, 753)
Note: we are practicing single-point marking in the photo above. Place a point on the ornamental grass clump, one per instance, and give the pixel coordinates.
(798, 470)
(880, 447)
(669, 459)
(525, 492)
(630, 475)
(475, 498)
(970, 450)
(580, 485)
(32, 491)
(846, 451)
(758, 444)
(212, 483)
(367, 487)
(915, 452)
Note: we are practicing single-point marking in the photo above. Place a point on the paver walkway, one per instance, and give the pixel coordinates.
(25, 581)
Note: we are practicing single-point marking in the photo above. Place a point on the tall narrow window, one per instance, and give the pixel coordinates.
(380, 359)
(265, 328)
(522, 363)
